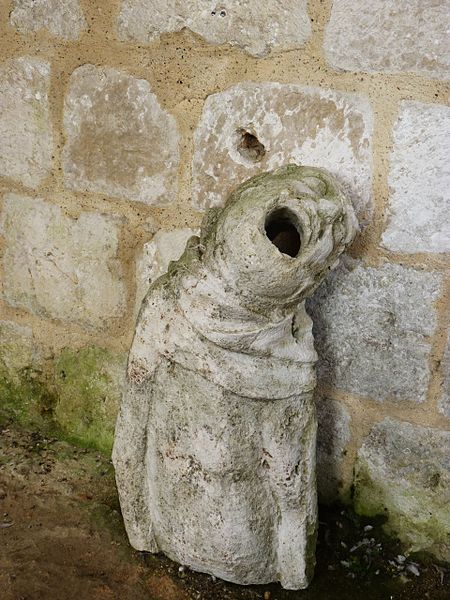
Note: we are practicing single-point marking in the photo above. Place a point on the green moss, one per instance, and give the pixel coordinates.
(89, 385)
(26, 397)
(419, 519)
(75, 397)
(368, 499)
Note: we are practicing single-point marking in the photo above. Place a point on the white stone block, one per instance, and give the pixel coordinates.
(419, 180)
(120, 142)
(165, 247)
(254, 127)
(390, 36)
(255, 26)
(372, 329)
(26, 139)
(61, 268)
(63, 18)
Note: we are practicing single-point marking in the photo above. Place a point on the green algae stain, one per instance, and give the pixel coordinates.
(420, 520)
(27, 398)
(26, 395)
(89, 388)
(73, 397)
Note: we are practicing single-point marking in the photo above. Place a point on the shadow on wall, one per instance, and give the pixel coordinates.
(333, 436)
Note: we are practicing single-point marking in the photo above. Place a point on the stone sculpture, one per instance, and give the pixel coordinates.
(216, 439)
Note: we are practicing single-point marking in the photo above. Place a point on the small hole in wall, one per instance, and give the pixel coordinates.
(249, 147)
(282, 232)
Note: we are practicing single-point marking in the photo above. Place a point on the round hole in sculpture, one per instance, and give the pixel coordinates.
(249, 147)
(282, 231)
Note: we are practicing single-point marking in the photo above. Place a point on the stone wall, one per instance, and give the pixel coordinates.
(122, 121)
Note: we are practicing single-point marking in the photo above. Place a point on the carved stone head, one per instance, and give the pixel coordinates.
(278, 235)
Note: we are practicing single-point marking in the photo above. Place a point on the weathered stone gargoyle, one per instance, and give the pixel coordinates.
(216, 439)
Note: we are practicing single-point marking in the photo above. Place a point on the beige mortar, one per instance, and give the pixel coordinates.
(183, 70)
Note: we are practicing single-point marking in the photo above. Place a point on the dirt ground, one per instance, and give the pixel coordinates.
(61, 538)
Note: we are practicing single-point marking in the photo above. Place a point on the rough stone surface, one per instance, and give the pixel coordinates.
(403, 471)
(372, 327)
(333, 435)
(16, 349)
(419, 180)
(215, 442)
(26, 139)
(389, 36)
(253, 25)
(89, 385)
(24, 393)
(296, 124)
(63, 18)
(444, 400)
(119, 140)
(60, 267)
(165, 247)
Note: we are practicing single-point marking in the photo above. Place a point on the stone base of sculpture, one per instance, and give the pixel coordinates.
(215, 442)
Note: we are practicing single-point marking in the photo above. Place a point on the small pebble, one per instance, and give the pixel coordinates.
(413, 569)
(368, 528)
(266, 595)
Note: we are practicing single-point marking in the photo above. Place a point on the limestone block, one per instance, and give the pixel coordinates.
(255, 26)
(254, 127)
(333, 435)
(26, 138)
(419, 180)
(403, 472)
(63, 18)
(120, 141)
(89, 385)
(389, 36)
(59, 267)
(372, 328)
(16, 349)
(215, 442)
(165, 247)
(444, 400)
